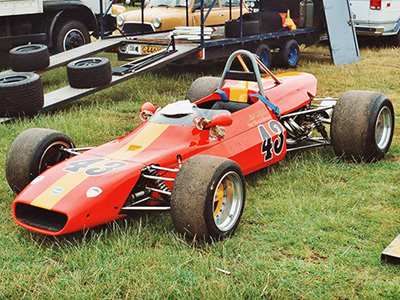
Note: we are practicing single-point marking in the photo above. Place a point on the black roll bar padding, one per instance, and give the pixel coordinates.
(187, 13)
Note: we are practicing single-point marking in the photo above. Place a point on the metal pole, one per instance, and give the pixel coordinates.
(187, 12)
(101, 20)
(202, 23)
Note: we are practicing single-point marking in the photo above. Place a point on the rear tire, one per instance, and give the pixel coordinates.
(20, 94)
(289, 54)
(29, 58)
(89, 72)
(69, 35)
(208, 198)
(362, 126)
(33, 152)
(202, 87)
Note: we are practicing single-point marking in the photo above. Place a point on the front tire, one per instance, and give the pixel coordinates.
(208, 198)
(362, 126)
(33, 152)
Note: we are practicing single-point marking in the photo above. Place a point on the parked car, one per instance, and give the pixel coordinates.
(377, 18)
(167, 14)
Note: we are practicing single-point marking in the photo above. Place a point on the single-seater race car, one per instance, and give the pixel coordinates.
(190, 157)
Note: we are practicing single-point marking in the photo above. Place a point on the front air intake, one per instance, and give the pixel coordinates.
(40, 218)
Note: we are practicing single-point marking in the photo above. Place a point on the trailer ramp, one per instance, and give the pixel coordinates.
(64, 58)
(132, 69)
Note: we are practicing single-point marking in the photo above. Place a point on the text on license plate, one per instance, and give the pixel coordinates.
(151, 49)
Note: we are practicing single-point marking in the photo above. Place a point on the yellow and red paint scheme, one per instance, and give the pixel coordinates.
(91, 188)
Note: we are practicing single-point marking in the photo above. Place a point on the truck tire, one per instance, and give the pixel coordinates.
(264, 53)
(289, 54)
(33, 152)
(20, 94)
(28, 58)
(89, 72)
(362, 126)
(70, 34)
(208, 197)
(202, 87)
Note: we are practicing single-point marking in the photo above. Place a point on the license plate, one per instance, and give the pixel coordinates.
(151, 49)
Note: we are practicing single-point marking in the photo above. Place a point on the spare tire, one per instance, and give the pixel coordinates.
(89, 72)
(29, 58)
(20, 94)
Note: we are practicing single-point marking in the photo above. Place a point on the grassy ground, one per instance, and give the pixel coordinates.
(313, 227)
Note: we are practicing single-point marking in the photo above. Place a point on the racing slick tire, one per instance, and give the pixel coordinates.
(89, 72)
(264, 53)
(202, 87)
(208, 198)
(20, 94)
(32, 152)
(70, 34)
(29, 58)
(362, 126)
(289, 54)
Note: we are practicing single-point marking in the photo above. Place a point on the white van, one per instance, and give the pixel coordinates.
(377, 18)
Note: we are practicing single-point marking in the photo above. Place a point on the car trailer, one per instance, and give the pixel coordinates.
(171, 48)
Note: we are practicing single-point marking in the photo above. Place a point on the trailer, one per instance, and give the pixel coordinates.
(190, 45)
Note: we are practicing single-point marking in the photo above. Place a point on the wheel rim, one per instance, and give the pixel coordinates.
(383, 128)
(292, 55)
(28, 48)
(73, 39)
(88, 62)
(264, 57)
(53, 155)
(228, 201)
(12, 79)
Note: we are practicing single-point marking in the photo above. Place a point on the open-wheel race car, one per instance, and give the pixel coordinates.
(190, 157)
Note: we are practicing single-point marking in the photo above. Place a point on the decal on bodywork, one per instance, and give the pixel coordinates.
(272, 148)
(107, 166)
(79, 171)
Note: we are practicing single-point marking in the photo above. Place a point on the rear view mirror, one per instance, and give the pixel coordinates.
(146, 111)
(221, 120)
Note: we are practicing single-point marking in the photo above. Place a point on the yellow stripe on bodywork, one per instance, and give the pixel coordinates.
(47, 199)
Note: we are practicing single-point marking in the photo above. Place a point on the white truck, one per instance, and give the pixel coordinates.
(377, 18)
(59, 24)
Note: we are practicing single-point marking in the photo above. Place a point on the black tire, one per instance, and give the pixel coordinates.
(70, 34)
(89, 72)
(289, 54)
(32, 152)
(130, 2)
(20, 94)
(208, 198)
(362, 126)
(264, 53)
(202, 87)
(232, 28)
(29, 58)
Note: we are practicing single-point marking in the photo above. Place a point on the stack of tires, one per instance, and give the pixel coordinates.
(21, 90)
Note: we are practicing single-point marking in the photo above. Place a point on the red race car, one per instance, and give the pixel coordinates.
(190, 156)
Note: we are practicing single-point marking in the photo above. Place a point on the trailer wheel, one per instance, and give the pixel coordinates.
(202, 87)
(20, 94)
(33, 152)
(208, 197)
(70, 34)
(264, 53)
(130, 2)
(289, 54)
(29, 58)
(362, 126)
(89, 72)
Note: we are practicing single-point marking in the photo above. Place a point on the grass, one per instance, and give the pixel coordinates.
(313, 226)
